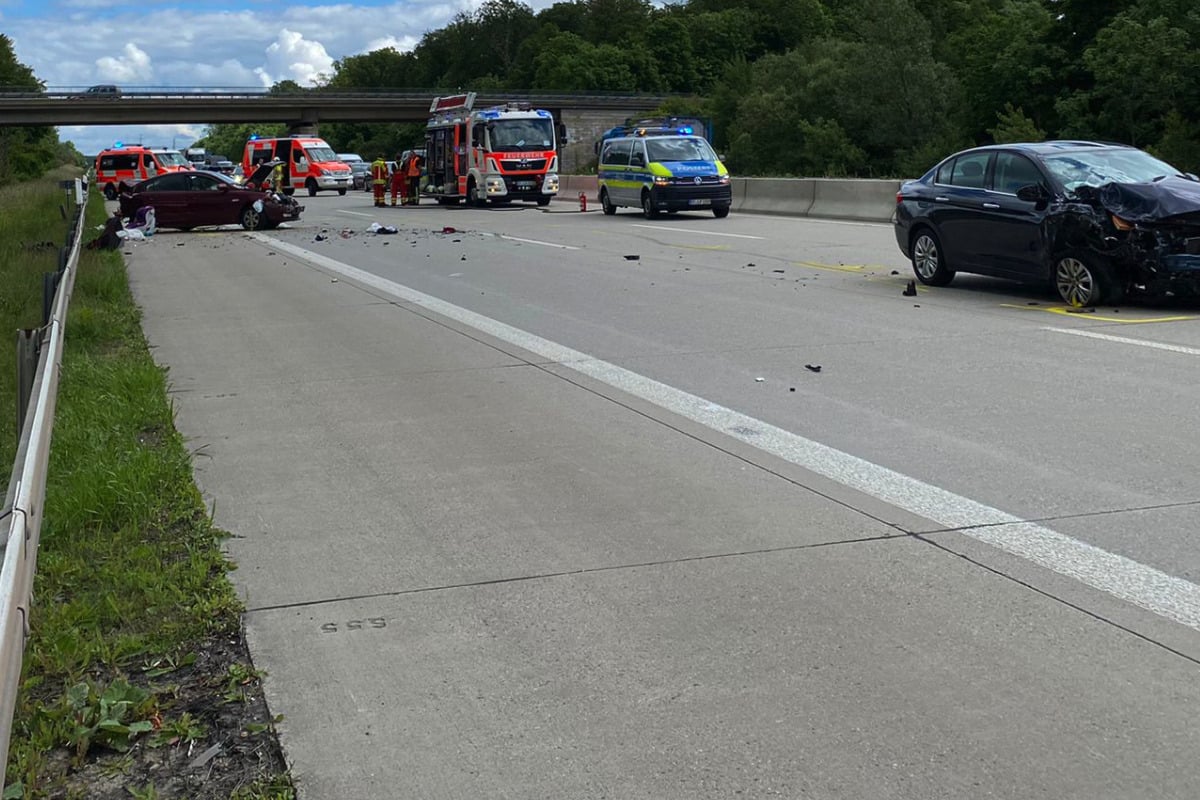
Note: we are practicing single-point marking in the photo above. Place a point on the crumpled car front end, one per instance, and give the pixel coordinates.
(1150, 233)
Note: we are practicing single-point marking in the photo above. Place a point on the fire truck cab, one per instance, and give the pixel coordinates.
(497, 154)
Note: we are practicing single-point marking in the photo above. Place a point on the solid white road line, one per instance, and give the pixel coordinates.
(696, 231)
(1166, 595)
(355, 213)
(1173, 348)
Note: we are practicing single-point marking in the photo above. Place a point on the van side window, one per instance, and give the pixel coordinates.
(638, 156)
(147, 160)
(616, 153)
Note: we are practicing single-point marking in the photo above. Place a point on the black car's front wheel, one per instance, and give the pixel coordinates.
(928, 262)
(1084, 280)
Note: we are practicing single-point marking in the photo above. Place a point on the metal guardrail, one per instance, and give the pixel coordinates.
(21, 520)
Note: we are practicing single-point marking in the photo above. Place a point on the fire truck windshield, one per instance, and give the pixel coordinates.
(521, 134)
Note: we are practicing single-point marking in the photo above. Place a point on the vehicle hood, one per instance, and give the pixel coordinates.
(687, 169)
(262, 172)
(1172, 199)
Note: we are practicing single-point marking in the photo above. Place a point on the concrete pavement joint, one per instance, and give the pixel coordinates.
(1055, 598)
(1080, 515)
(585, 571)
(1146, 587)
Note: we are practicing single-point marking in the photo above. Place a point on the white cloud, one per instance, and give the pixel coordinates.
(292, 57)
(211, 45)
(132, 67)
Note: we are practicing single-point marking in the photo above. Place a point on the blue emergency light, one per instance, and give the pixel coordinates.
(118, 144)
(254, 137)
(687, 130)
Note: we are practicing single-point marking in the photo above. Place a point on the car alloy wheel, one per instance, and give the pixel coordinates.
(929, 264)
(1076, 284)
(606, 203)
(925, 257)
(251, 219)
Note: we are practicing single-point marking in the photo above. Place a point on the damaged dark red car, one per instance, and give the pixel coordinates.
(195, 199)
(1097, 221)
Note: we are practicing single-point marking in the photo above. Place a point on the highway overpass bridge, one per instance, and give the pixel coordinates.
(584, 116)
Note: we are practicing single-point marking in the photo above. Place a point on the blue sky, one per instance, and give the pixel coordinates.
(73, 44)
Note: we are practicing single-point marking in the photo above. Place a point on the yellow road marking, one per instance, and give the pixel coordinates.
(1069, 312)
(831, 267)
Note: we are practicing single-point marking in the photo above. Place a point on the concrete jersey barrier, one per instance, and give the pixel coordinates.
(861, 199)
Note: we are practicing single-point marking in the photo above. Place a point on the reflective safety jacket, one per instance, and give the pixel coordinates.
(379, 171)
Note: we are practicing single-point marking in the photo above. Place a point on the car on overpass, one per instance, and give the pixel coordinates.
(1097, 221)
(199, 198)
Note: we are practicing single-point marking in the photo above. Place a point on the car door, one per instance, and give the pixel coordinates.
(206, 203)
(166, 194)
(1010, 235)
(956, 208)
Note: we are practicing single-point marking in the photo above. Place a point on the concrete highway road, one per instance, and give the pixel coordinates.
(537, 503)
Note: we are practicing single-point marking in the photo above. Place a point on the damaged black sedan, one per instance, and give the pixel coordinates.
(1097, 221)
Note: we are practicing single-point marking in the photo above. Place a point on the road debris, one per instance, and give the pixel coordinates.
(813, 367)
(910, 290)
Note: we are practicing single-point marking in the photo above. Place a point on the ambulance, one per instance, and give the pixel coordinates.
(310, 163)
(123, 165)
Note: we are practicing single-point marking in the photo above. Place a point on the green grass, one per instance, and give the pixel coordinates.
(131, 577)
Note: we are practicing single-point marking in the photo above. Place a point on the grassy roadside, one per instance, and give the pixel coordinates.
(136, 682)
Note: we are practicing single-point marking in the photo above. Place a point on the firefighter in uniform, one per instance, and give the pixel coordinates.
(398, 182)
(379, 179)
(412, 172)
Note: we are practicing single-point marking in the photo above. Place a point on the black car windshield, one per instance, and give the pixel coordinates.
(521, 134)
(681, 149)
(1098, 167)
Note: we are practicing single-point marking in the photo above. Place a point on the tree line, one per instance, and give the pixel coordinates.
(862, 88)
(866, 88)
(27, 153)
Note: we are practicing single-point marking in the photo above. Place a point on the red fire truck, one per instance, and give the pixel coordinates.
(495, 154)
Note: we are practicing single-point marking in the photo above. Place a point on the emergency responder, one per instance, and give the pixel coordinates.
(277, 178)
(379, 179)
(413, 171)
(398, 181)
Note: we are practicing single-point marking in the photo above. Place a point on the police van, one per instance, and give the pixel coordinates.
(662, 170)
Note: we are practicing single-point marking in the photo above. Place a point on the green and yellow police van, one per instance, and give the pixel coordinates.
(662, 171)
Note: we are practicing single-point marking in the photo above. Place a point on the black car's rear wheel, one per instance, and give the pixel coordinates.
(929, 264)
(1084, 280)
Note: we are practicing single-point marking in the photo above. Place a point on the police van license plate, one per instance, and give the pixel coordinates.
(700, 202)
